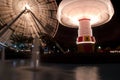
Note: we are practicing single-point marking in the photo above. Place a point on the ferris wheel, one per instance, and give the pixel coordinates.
(29, 18)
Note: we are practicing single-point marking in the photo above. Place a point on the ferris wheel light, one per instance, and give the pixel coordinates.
(27, 7)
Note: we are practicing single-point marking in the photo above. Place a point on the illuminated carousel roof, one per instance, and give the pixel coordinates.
(27, 17)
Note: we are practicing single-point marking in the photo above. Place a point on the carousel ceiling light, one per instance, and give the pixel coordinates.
(84, 14)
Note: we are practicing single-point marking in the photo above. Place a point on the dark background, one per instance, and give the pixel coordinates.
(106, 35)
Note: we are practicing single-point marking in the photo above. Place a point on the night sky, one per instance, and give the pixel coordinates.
(107, 34)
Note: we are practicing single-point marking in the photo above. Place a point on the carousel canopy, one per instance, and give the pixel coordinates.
(71, 11)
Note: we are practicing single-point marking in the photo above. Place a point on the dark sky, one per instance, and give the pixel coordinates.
(107, 34)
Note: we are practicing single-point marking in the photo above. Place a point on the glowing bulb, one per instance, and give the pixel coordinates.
(99, 47)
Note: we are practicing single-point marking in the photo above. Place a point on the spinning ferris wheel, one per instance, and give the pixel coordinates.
(27, 17)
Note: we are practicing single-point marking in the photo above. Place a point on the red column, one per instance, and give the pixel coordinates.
(85, 32)
(85, 38)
